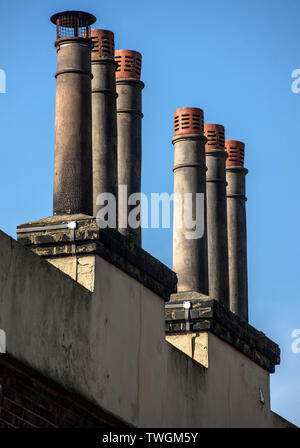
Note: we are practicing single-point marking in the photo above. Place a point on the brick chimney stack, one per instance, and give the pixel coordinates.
(129, 123)
(73, 143)
(104, 115)
(189, 255)
(217, 213)
(237, 236)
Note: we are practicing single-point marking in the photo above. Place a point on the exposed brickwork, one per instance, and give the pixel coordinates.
(29, 400)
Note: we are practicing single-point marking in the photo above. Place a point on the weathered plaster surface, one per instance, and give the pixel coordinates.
(109, 346)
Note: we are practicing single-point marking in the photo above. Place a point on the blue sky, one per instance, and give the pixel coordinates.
(231, 58)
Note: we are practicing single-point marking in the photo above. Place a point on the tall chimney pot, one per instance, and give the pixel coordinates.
(237, 229)
(189, 255)
(216, 156)
(129, 121)
(73, 145)
(104, 116)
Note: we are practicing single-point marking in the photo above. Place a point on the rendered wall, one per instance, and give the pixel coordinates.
(109, 346)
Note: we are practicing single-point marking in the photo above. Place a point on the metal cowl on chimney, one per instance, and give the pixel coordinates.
(189, 255)
(237, 228)
(216, 213)
(129, 120)
(73, 145)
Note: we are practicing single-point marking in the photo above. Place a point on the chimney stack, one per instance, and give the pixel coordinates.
(73, 145)
(189, 255)
(129, 123)
(217, 213)
(104, 115)
(237, 236)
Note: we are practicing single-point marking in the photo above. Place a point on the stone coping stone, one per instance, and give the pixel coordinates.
(207, 314)
(107, 243)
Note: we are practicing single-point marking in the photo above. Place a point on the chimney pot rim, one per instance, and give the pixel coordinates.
(235, 141)
(215, 125)
(101, 29)
(189, 108)
(126, 49)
